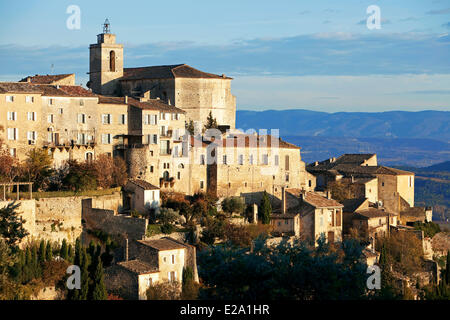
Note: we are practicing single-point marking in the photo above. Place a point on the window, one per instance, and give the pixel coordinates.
(172, 276)
(286, 221)
(12, 152)
(31, 135)
(277, 160)
(410, 182)
(50, 118)
(286, 163)
(12, 115)
(112, 61)
(202, 159)
(31, 116)
(13, 134)
(309, 183)
(287, 177)
(50, 137)
(149, 282)
(89, 156)
(251, 159)
(151, 168)
(265, 159)
(106, 138)
(81, 102)
(51, 102)
(173, 259)
(241, 159)
(106, 118)
(379, 222)
(202, 184)
(81, 118)
(151, 119)
(60, 111)
(224, 159)
(338, 218)
(179, 175)
(382, 184)
(29, 99)
(9, 98)
(123, 119)
(81, 138)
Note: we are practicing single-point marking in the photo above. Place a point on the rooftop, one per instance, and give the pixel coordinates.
(373, 213)
(138, 267)
(318, 201)
(18, 87)
(163, 244)
(144, 184)
(45, 79)
(351, 205)
(151, 104)
(167, 72)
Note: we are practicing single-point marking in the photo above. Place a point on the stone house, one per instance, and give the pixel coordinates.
(373, 223)
(141, 196)
(309, 215)
(148, 262)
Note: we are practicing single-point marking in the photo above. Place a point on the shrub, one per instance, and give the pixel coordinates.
(167, 228)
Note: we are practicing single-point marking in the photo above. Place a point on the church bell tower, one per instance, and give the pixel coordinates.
(105, 63)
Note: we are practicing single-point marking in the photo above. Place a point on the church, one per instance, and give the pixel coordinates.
(194, 91)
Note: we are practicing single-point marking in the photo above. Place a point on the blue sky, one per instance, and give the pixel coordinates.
(316, 55)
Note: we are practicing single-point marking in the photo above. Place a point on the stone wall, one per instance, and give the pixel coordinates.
(111, 222)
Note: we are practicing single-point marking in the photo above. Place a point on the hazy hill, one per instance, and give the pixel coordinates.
(392, 124)
(440, 167)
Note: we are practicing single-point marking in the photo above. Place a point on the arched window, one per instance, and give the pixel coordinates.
(166, 175)
(89, 157)
(112, 61)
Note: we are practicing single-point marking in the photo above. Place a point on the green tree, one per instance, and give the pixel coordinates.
(49, 251)
(64, 252)
(11, 224)
(190, 127)
(79, 176)
(42, 253)
(84, 291)
(189, 287)
(265, 209)
(233, 205)
(38, 168)
(99, 289)
(211, 122)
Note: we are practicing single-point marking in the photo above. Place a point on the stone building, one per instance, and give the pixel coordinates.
(141, 196)
(196, 92)
(318, 216)
(148, 262)
(392, 184)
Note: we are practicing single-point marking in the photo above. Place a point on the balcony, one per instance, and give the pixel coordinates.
(166, 134)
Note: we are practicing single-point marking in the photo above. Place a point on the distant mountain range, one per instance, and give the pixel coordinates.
(416, 139)
(392, 124)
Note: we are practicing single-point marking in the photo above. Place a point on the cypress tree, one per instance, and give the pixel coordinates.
(27, 270)
(64, 252)
(99, 289)
(49, 252)
(71, 253)
(84, 292)
(42, 255)
(36, 266)
(18, 266)
(265, 209)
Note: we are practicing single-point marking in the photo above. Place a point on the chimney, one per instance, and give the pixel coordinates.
(126, 99)
(283, 200)
(126, 250)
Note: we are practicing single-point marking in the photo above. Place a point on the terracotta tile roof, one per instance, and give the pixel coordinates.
(144, 184)
(45, 79)
(350, 159)
(372, 213)
(414, 212)
(163, 244)
(351, 205)
(167, 72)
(18, 87)
(138, 267)
(318, 201)
(64, 91)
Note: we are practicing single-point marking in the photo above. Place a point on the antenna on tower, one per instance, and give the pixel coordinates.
(106, 26)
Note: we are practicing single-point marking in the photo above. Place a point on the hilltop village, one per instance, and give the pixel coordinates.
(183, 176)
